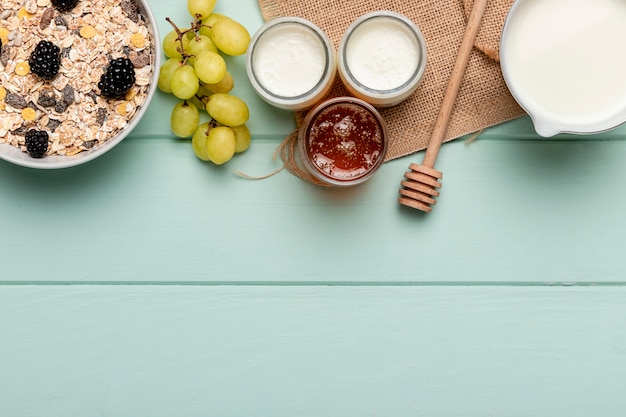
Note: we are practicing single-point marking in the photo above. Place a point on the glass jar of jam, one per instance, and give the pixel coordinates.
(343, 141)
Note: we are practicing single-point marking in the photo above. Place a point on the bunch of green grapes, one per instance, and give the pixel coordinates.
(195, 72)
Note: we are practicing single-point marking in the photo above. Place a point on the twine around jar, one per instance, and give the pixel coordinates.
(288, 153)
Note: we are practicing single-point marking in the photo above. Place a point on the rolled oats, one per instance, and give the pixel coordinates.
(69, 107)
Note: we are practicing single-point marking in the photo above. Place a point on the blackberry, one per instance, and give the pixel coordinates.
(118, 78)
(36, 142)
(64, 5)
(45, 60)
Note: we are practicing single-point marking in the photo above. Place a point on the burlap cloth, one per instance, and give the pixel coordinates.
(483, 100)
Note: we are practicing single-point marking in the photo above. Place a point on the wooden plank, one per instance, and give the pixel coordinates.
(312, 351)
(150, 211)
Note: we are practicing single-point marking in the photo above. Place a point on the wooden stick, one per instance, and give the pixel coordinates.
(419, 188)
(454, 84)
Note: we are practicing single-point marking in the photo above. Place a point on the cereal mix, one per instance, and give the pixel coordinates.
(69, 106)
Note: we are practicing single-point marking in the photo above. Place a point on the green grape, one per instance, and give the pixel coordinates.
(185, 82)
(184, 119)
(171, 45)
(199, 102)
(199, 141)
(198, 44)
(200, 8)
(213, 18)
(224, 86)
(220, 144)
(201, 97)
(203, 91)
(190, 35)
(210, 67)
(242, 138)
(230, 37)
(227, 109)
(165, 74)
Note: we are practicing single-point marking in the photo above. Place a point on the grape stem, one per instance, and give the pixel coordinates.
(195, 26)
(179, 38)
(201, 100)
(210, 126)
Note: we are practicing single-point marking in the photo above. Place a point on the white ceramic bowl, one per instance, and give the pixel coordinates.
(14, 155)
(565, 64)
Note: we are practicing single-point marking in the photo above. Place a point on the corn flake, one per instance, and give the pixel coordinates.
(87, 32)
(29, 114)
(22, 68)
(122, 108)
(4, 35)
(137, 40)
(24, 14)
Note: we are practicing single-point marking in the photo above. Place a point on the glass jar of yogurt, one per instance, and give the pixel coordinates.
(382, 57)
(291, 63)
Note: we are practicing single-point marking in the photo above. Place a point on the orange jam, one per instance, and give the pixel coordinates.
(344, 141)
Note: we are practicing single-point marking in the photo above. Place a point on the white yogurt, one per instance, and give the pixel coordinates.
(382, 57)
(565, 62)
(289, 60)
(291, 63)
(382, 54)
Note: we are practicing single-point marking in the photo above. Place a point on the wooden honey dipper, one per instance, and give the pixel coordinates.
(422, 181)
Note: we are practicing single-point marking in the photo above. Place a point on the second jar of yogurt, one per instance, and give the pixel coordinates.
(382, 57)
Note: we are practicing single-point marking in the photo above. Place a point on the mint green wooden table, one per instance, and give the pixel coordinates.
(148, 283)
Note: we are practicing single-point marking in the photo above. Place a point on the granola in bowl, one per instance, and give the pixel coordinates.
(81, 120)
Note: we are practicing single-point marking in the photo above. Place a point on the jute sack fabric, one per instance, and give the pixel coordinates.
(483, 100)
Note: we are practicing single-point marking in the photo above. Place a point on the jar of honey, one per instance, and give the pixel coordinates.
(343, 141)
